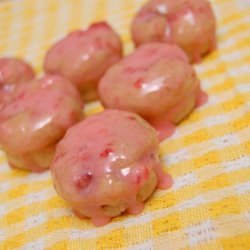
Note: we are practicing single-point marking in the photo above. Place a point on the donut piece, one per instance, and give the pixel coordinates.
(188, 23)
(13, 71)
(108, 164)
(157, 82)
(35, 118)
(84, 56)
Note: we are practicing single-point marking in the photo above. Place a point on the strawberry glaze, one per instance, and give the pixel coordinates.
(34, 118)
(157, 82)
(122, 164)
(188, 23)
(83, 56)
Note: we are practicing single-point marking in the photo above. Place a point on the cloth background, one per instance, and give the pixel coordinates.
(209, 205)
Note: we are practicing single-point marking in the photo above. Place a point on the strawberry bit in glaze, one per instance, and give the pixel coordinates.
(163, 88)
(116, 181)
(138, 83)
(83, 181)
(106, 152)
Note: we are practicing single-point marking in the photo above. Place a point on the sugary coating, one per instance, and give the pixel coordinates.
(35, 118)
(84, 56)
(108, 164)
(156, 81)
(188, 23)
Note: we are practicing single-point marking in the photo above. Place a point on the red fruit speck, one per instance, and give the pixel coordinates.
(83, 181)
(106, 152)
(138, 83)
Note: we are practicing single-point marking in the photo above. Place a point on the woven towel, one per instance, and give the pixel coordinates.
(208, 156)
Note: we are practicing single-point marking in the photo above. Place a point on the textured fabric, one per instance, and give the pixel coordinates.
(208, 156)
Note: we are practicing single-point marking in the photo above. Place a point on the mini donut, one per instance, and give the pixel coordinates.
(13, 71)
(35, 118)
(188, 23)
(157, 82)
(84, 56)
(108, 164)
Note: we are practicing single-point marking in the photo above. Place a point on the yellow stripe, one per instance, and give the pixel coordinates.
(216, 175)
(223, 21)
(241, 28)
(211, 157)
(203, 135)
(24, 189)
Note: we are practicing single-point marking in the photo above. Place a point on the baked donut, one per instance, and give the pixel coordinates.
(157, 82)
(108, 164)
(188, 23)
(84, 56)
(35, 118)
(13, 71)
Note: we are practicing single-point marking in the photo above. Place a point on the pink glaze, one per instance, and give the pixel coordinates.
(35, 117)
(84, 56)
(188, 23)
(157, 82)
(104, 161)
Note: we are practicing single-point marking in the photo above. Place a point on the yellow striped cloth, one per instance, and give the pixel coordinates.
(209, 205)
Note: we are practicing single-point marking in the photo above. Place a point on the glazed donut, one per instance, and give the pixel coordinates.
(188, 23)
(108, 164)
(35, 118)
(157, 82)
(84, 56)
